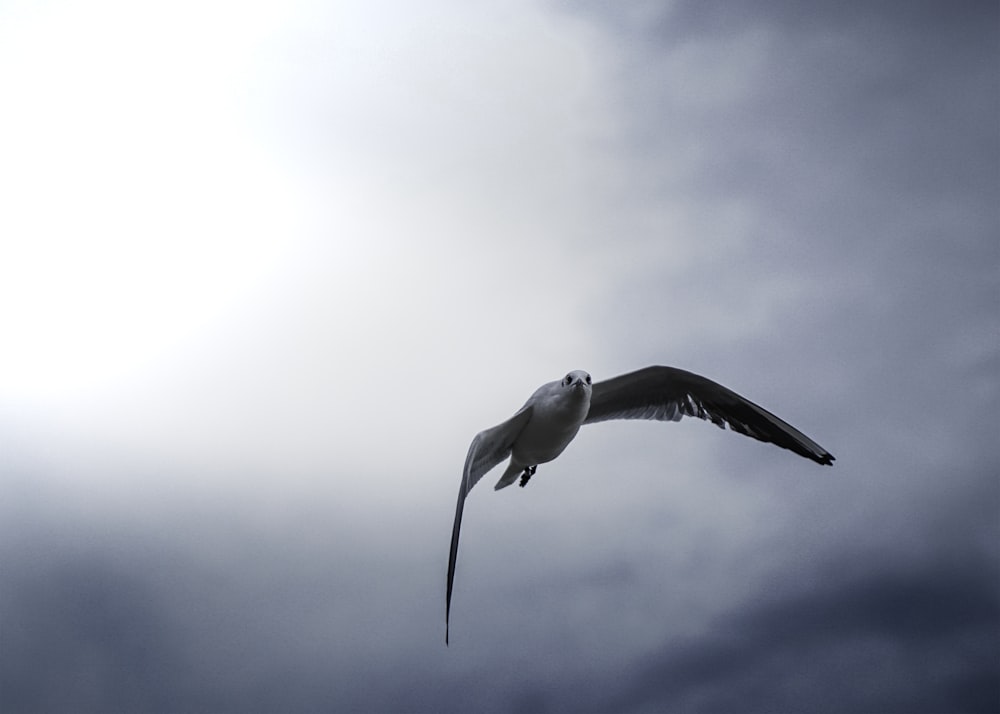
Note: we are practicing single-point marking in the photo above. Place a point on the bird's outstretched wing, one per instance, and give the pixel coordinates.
(488, 448)
(667, 394)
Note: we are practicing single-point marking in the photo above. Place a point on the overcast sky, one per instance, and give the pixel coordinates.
(267, 267)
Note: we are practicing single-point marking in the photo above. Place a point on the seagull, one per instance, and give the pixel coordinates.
(552, 416)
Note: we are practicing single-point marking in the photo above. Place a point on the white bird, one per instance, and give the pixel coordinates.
(552, 416)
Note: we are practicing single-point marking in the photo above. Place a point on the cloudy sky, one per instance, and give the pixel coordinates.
(267, 267)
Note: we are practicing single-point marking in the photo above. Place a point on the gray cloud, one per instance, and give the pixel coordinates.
(918, 641)
(800, 204)
(142, 625)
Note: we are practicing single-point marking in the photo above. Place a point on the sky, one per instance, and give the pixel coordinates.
(267, 267)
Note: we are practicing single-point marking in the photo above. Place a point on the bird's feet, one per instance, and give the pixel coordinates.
(526, 475)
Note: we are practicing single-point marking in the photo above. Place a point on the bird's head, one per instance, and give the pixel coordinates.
(577, 380)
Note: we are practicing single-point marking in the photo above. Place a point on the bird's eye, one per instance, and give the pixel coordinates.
(588, 379)
(567, 379)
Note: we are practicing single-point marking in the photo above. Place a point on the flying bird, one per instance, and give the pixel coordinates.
(552, 416)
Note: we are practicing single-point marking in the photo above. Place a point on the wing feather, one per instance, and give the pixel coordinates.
(489, 447)
(668, 393)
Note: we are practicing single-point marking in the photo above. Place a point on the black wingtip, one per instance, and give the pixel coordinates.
(447, 613)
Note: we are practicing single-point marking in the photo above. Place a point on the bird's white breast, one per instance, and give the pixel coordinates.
(556, 417)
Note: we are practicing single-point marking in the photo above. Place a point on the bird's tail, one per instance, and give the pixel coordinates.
(509, 476)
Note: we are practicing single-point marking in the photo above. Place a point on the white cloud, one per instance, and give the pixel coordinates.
(138, 207)
(243, 236)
